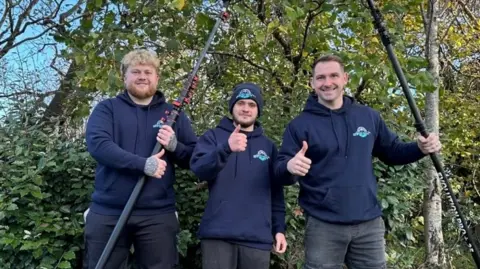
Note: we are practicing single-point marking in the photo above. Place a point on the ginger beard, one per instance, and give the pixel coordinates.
(245, 113)
(141, 81)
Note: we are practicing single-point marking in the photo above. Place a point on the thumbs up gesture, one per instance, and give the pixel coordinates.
(237, 141)
(155, 166)
(299, 164)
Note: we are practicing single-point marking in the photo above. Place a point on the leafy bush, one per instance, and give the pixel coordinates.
(47, 180)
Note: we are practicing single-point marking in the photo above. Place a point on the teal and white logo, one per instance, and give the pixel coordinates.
(245, 94)
(362, 132)
(261, 155)
(159, 124)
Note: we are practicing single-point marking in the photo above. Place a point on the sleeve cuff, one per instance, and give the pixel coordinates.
(278, 229)
(224, 149)
(140, 163)
(179, 149)
(416, 152)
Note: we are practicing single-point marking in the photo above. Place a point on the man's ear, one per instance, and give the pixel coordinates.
(345, 77)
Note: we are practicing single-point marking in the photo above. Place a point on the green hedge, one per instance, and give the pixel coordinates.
(47, 179)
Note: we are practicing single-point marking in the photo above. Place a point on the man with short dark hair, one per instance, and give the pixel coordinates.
(245, 211)
(328, 149)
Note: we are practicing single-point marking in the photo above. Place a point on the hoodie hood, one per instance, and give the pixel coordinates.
(226, 124)
(313, 106)
(340, 130)
(143, 115)
(158, 99)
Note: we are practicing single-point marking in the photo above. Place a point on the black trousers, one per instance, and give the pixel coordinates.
(218, 254)
(154, 239)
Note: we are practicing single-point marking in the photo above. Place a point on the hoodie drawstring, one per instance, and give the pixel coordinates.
(146, 123)
(336, 135)
(334, 131)
(348, 135)
(136, 131)
(236, 164)
(249, 148)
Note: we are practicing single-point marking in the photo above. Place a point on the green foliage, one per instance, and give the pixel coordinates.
(47, 176)
(45, 187)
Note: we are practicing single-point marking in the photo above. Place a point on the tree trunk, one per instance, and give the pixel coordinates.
(435, 254)
(56, 108)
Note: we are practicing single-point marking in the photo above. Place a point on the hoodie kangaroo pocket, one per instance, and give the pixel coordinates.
(251, 222)
(354, 203)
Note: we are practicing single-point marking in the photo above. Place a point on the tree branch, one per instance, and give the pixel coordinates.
(9, 46)
(69, 12)
(311, 15)
(469, 13)
(285, 89)
(4, 16)
(23, 16)
(450, 63)
(261, 10)
(360, 88)
(243, 58)
(26, 92)
(53, 62)
(276, 33)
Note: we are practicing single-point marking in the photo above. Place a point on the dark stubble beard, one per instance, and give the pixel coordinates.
(243, 125)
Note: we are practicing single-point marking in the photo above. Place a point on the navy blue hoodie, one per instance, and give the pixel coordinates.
(120, 136)
(246, 203)
(340, 186)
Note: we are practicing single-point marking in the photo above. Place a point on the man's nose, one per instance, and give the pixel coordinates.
(328, 82)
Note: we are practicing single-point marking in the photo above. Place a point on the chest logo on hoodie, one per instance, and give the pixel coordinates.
(261, 155)
(362, 132)
(159, 124)
(245, 94)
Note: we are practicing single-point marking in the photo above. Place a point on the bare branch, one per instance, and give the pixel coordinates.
(456, 69)
(446, 31)
(69, 12)
(45, 45)
(6, 48)
(14, 94)
(4, 16)
(469, 13)
(22, 17)
(52, 64)
(26, 92)
(19, 24)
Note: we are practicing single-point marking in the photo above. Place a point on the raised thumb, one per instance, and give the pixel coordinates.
(304, 148)
(237, 129)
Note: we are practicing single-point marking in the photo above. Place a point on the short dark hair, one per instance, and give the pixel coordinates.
(328, 58)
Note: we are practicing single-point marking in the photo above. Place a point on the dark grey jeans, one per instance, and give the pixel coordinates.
(330, 246)
(218, 254)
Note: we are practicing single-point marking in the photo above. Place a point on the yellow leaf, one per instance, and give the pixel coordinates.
(375, 40)
(178, 4)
